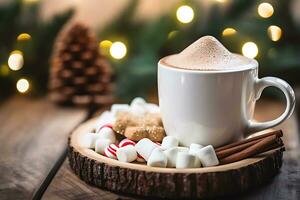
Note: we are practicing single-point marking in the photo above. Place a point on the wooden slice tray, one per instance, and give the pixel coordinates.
(139, 179)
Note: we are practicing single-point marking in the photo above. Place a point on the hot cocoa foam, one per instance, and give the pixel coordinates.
(207, 53)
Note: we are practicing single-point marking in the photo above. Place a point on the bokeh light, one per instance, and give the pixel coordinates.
(229, 31)
(23, 37)
(265, 10)
(274, 32)
(185, 14)
(22, 85)
(172, 34)
(4, 70)
(105, 44)
(30, 1)
(15, 60)
(250, 50)
(118, 50)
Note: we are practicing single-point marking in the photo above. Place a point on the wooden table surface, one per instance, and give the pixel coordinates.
(33, 139)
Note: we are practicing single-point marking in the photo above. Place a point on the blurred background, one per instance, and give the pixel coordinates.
(98, 51)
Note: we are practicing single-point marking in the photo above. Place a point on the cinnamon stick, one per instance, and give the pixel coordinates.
(277, 133)
(272, 141)
(229, 151)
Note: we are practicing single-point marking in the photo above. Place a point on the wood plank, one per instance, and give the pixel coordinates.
(67, 186)
(33, 134)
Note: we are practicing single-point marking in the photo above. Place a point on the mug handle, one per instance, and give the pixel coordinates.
(260, 85)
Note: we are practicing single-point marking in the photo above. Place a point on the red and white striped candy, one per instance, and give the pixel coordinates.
(140, 158)
(110, 151)
(106, 125)
(126, 142)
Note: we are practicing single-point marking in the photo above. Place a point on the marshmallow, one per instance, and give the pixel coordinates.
(110, 151)
(101, 144)
(139, 110)
(138, 106)
(145, 147)
(126, 153)
(152, 108)
(140, 159)
(116, 108)
(88, 140)
(194, 148)
(207, 156)
(126, 142)
(105, 118)
(106, 132)
(169, 142)
(157, 158)
(138, 101)
(185, 160)
(171, 155)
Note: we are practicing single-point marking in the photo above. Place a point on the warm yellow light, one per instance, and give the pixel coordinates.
(22, 85)
(15, 60)
(4, 70)
(172, 34)
(23, 36)
(221, 1)
(228, 31)
(185, 14)
(265, 10)
(105, 44)
(30, 1)
(118, 50)
(250, 50)
(274, 33)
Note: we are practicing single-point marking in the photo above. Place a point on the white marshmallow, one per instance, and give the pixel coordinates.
(106, 132)
(101, 144)
(157, 158)
(87, 140)
(126, 154)
(139, 110)
(194, 148)
(185, 160)
(207, 156)
(116, 108)
(169, 142)
(171, 155)
(138, 101)
(145, 147)
(105, 118)
(152, 108)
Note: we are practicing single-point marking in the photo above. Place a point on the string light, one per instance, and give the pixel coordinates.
(4, 70)
(118, 50)
(221, 1)
(105, 46)
(30, 1)
(185, 14)
(229, 31)
(22, 85)
(265, 10)
(250, 50)
(274, 32)
(15, 60)
(172, 34)
(23, 37)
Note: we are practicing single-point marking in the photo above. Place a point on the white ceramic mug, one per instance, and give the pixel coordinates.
(215, 107)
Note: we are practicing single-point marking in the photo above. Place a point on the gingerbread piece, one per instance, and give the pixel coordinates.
(136, 127)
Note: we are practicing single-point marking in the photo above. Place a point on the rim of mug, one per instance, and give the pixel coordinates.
(250, 66)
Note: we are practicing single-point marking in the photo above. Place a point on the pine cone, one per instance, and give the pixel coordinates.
(79, 74)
